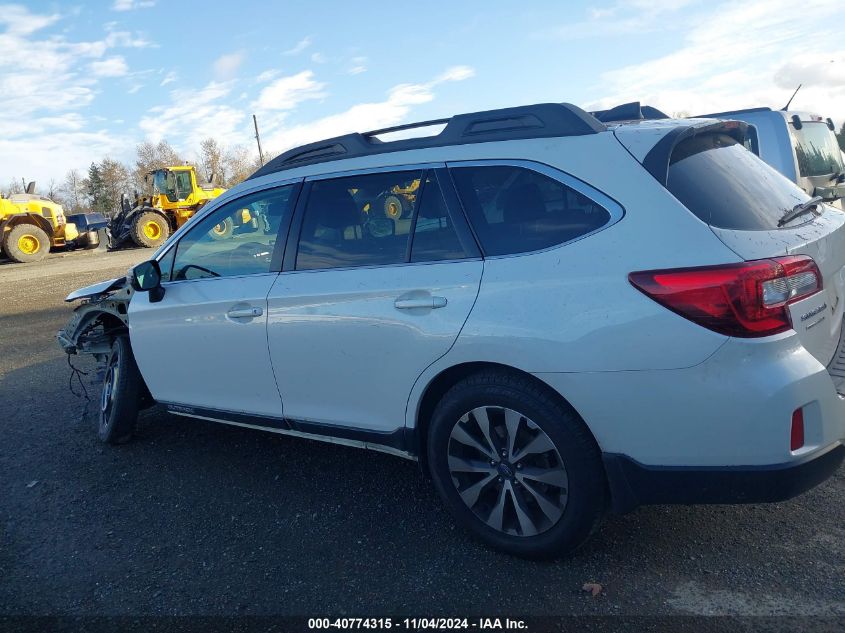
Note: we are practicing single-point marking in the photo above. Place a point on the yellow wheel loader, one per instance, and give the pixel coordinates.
(150, 219)
(31, 225)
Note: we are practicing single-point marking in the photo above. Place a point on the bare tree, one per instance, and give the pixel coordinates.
(14, 186)
(239, 164)
(53, 190)
(211, 161)
(73, 190)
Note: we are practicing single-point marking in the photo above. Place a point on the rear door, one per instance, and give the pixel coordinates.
(203, 347)
(380, 276)
(744, 201)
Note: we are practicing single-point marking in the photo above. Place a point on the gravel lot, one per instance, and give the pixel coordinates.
(198, 518)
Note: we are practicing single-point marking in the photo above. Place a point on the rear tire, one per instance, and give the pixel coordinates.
(26, 243)
(120, 398)
(538, 495)
(149, 229)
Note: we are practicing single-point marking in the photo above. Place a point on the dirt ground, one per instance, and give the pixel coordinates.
(197, 518)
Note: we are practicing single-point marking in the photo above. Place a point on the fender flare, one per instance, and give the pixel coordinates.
(27, 218)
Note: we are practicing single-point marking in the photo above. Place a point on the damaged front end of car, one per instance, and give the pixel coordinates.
(100, 317)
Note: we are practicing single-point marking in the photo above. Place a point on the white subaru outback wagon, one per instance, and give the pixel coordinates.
(555, 316)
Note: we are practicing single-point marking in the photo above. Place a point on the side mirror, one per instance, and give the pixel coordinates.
(146, 277)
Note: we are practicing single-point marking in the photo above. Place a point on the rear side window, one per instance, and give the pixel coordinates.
(728, 187)
(517, 210)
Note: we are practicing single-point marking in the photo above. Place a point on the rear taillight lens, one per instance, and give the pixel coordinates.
(747, 300)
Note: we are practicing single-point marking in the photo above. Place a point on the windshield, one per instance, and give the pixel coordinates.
(816, 150)
(176, 185)
(161, 182)
(728, 187)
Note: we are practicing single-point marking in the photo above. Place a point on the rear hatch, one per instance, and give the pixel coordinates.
(744, 201)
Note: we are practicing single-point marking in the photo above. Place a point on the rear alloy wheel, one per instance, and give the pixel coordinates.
(27, 243)
(516, 466)
(149, 229)
(120, 397)
(520, 489)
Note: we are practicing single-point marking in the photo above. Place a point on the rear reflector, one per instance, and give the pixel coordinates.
(747, 300)
(796, 435)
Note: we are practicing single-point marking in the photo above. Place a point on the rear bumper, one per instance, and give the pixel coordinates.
(633, 484)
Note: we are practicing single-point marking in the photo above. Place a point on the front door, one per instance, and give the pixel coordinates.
(365, 308)
(203, 346)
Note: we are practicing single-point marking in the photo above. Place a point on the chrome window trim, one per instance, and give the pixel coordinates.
(380, 266)
(614, 209)
(215, 204)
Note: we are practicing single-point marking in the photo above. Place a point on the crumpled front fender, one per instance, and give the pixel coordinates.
(94, 323)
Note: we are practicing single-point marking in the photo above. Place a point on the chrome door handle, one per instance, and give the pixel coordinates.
(423, 302)
(244, 313)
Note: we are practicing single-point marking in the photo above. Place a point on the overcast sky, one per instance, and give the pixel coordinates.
(80, 82)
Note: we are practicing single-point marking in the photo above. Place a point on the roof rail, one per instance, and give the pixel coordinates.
(714, 115)
(629, 112)
(542, 120)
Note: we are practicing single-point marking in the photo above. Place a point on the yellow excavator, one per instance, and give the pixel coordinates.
(31, 225)
(176, 196)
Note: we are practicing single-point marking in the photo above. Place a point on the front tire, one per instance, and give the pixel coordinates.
(27, 243)
(120, 398)
(516, 466)
(149, 229)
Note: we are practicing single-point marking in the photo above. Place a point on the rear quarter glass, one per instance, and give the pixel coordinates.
(728, 187)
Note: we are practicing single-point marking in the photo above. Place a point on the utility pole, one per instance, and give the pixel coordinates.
(258, 140)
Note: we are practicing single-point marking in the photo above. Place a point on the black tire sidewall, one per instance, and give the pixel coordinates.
(120, 425)
(587, 496)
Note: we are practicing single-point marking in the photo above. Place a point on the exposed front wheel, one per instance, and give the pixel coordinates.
(120, 397)
(516, 466)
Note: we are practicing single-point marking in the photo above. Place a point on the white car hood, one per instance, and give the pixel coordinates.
(97, 289)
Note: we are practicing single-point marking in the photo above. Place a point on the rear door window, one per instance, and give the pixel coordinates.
(435, 237)
(368, 220)
(518, 210)
(728, 187)
(362, 220)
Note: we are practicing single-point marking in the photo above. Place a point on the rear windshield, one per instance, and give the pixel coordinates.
(728, 187)
(816, 150)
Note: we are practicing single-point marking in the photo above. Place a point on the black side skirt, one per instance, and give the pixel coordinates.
(395, 440)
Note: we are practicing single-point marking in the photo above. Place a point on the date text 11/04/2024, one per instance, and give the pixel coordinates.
(418, 624)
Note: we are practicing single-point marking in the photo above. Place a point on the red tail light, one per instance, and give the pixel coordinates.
(796, 435)
(746, 300)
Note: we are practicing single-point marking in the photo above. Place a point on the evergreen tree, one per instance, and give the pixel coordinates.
(95, 190)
